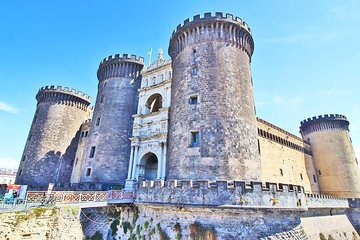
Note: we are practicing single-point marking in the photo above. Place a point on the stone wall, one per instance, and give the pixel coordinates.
(112, 123)
(284, 158)
(235, 194)
(216, 137)
(41, 224)
(53, 138)
(334, 157)
(79, 163)
(159, 222)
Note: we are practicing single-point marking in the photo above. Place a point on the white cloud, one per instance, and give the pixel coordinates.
(283, 100)
(7, 108)
(347, 10)
(9, 163)
(339, 92)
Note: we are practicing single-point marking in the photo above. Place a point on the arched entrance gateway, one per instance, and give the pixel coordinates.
(148, 167)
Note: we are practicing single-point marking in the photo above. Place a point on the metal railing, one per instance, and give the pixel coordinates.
(83, 198)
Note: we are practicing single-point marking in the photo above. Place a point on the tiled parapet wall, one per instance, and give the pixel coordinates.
(222, 193)
(120, 66)
(324, 122)
(63, 95)
(325, 201)
(219, 26)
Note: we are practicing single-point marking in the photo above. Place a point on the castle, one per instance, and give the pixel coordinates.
(186, 123)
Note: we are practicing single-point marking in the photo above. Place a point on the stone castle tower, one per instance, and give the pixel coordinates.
(212, 126)
(51, 145)
(108, 148)
(333, 154)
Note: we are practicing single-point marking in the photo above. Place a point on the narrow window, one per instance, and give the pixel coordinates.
(86, 133)
(301, 176)
(105, 84)
(76, 162)
(319, 172)
(259, 146)
(29, 137)
(102, 98)
(356, 161)
(169, 75)
(193, 100)
(314, 177)
(20, 172)
(194, 139)
(82, 134)
(24, 158)
(92, 152)
(88, 172)
(98, 121)
(281, 172)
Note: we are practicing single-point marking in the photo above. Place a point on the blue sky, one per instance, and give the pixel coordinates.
(306, 60)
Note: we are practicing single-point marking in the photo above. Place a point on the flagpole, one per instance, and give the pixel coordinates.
(149, 53)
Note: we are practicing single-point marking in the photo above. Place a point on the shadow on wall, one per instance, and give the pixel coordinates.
(54, 167)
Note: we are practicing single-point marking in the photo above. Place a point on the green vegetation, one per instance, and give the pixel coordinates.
(132, 237)
(22, 217)
(162, 234)
(39, 211)
(73, 210)
(126, 226)
(136, 215)
(138, 230)
(114, 214)
(96, 236)
(146, 225)
(322, 236)
(114, 227)
(177, 228)
(199, 232)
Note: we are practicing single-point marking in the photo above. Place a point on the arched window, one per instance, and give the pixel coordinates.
(154, 80)
(154, 103)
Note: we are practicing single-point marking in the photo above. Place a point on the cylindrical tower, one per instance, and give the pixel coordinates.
(212, 126)
(52, 142)
(108, 149)
(334, 158)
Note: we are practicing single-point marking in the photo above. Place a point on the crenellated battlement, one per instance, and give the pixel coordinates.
(325, 201)
(324, 122)
(123, 58)
(208, 16)
(66, 90)
(120, 66)
(221, 193)
(221, 184)
(324, 117)
(63, 95)
(210, 27)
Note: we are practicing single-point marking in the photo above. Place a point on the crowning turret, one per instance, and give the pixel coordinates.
(108, 148)
(51, 145)
(334, 158)
(212, 126)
